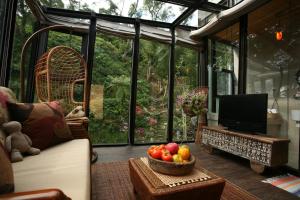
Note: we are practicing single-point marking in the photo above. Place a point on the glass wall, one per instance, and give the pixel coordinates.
(110, 90)
(2, 14)
(152, 93)
(57, 39)
(223, 64)
(23, 29)
(273, 62)
(186, 70)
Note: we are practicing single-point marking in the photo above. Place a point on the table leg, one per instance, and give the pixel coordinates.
(257, 167)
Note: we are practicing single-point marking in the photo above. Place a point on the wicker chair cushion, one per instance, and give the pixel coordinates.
(6, 172)
(44, 123)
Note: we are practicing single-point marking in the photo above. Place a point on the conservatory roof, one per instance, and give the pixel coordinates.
(169, 10)
(215, 15)
(79, 21)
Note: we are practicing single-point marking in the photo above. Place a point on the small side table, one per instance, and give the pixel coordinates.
(147, 185)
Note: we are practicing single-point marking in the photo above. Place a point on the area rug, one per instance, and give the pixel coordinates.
(286, 182)
(112, 181)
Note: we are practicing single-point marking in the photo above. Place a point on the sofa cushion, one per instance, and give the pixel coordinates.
(44, 123)
(6, 172)
(65, 166)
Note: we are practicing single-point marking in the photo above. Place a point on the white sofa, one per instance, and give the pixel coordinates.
(59, 172)
(65, 166)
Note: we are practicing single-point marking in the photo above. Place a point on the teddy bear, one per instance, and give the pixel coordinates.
(16, 142)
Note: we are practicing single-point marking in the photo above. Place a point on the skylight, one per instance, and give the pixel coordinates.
(198, 18)
(144, 9)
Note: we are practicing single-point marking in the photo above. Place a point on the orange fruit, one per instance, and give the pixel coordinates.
(184, 153)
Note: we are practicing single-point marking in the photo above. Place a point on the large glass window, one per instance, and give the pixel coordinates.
(23, 29)
(272, 65)
(110, 90)
(186, 70)
(2, 14)
(223, 62)
(64, 39)
(152, 93)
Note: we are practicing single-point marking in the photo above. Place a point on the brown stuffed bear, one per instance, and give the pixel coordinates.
(16, 142)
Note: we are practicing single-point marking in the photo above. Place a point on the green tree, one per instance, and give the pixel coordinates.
(53, 3)
(113, 9)
(74, 5)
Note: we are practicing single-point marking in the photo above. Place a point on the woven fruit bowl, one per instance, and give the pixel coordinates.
(172, 168)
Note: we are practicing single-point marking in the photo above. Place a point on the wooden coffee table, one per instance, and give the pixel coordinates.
(147, 185)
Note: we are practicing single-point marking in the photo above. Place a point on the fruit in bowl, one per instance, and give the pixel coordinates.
(171, 159)
(172, 147)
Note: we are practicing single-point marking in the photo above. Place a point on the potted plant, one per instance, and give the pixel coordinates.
(194, 103)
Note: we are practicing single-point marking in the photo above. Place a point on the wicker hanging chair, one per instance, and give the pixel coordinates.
(57, 73)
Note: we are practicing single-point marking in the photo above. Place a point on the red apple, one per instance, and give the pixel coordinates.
(172, 147)
(156, 153)
(161, 147)
(150, 149)
(166, 156)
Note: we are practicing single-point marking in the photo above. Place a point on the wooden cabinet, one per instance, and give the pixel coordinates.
(261, 150)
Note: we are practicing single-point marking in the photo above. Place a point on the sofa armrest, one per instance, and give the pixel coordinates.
(79, 130)
(47, 194)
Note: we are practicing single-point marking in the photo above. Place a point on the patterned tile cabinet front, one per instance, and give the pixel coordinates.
(252, 147)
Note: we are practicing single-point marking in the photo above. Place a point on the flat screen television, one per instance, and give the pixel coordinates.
(244, 113)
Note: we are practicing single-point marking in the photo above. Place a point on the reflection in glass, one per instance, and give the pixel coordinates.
(274, 62)
(224, 83)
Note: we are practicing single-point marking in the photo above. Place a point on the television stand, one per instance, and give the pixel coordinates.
(262, 151)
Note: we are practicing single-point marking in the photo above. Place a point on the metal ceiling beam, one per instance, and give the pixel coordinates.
(183, 16)
(213, 6)
(197, 4)
(185, 3)
(67, 13)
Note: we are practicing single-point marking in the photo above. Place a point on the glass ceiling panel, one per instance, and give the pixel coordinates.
(143, 9)
(198, 18)
(226, 2)
(216, 1)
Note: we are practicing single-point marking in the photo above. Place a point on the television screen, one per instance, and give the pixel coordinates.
(244, 113)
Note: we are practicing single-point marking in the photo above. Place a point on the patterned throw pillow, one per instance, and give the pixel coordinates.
(6, 172)
(44, 123)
